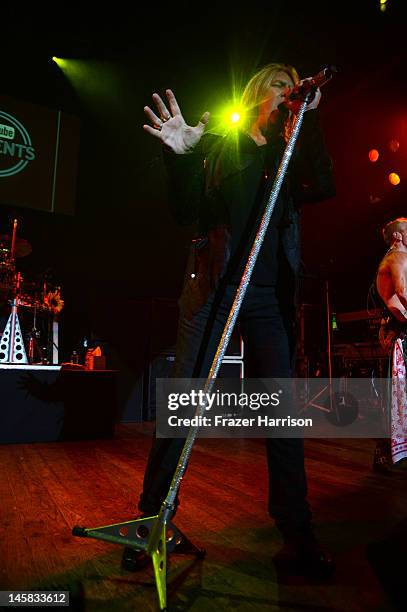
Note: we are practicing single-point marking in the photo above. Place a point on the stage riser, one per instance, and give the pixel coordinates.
(45, 405)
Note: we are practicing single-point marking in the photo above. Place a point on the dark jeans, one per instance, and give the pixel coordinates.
(267, 355)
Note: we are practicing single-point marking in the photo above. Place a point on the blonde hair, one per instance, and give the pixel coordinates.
(391, 227)
(257, 88)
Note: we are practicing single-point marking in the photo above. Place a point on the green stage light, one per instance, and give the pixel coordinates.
(233, 116)
(228, 118)
(62, 63)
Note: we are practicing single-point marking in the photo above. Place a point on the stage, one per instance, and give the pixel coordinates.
(47, 488)
(41, 403)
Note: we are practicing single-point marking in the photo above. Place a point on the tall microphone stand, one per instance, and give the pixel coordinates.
(157, 534)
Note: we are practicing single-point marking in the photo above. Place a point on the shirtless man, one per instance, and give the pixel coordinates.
(391, 278)
(391, 284)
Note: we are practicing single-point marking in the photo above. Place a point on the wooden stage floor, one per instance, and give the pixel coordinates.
(46, 489)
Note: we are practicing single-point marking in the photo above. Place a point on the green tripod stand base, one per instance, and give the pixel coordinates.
(151, 534)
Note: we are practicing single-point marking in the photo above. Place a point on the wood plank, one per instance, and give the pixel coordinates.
(50, 487)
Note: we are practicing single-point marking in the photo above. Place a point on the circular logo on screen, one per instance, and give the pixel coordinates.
(16, 150)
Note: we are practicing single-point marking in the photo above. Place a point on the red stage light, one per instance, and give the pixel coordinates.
(394, 178)
(373, 155)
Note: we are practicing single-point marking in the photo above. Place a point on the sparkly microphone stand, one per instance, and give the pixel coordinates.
(157, 535)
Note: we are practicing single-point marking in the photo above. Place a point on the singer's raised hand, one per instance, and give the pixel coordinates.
(170, 127)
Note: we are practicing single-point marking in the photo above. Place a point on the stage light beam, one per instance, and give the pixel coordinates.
(59, 61)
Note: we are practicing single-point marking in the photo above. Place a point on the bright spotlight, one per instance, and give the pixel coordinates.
(373, 155)
(394, 178)
(233, 116)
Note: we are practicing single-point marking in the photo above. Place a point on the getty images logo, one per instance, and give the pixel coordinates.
(16, 150)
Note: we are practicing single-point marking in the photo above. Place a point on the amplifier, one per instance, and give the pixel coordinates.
(161, 367)
(360, 360)
(359, 350)
(360, 326)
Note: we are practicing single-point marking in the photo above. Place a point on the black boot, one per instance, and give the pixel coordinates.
(134, 560)
(302, 553)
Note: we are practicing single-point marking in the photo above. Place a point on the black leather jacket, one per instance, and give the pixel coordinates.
(221, 169)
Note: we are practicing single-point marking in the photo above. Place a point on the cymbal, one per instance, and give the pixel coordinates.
(22, 247)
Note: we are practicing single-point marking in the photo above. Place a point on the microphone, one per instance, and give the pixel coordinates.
(301, 90)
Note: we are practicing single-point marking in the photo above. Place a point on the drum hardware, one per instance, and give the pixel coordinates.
(16, 291)
(12, 348)
(332, 402)
(33, 337)
(354, 352)
(21, 248)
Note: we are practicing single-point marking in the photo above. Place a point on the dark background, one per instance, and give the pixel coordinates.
(121, 245)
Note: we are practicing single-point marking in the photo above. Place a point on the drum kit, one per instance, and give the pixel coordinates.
(38, 303)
